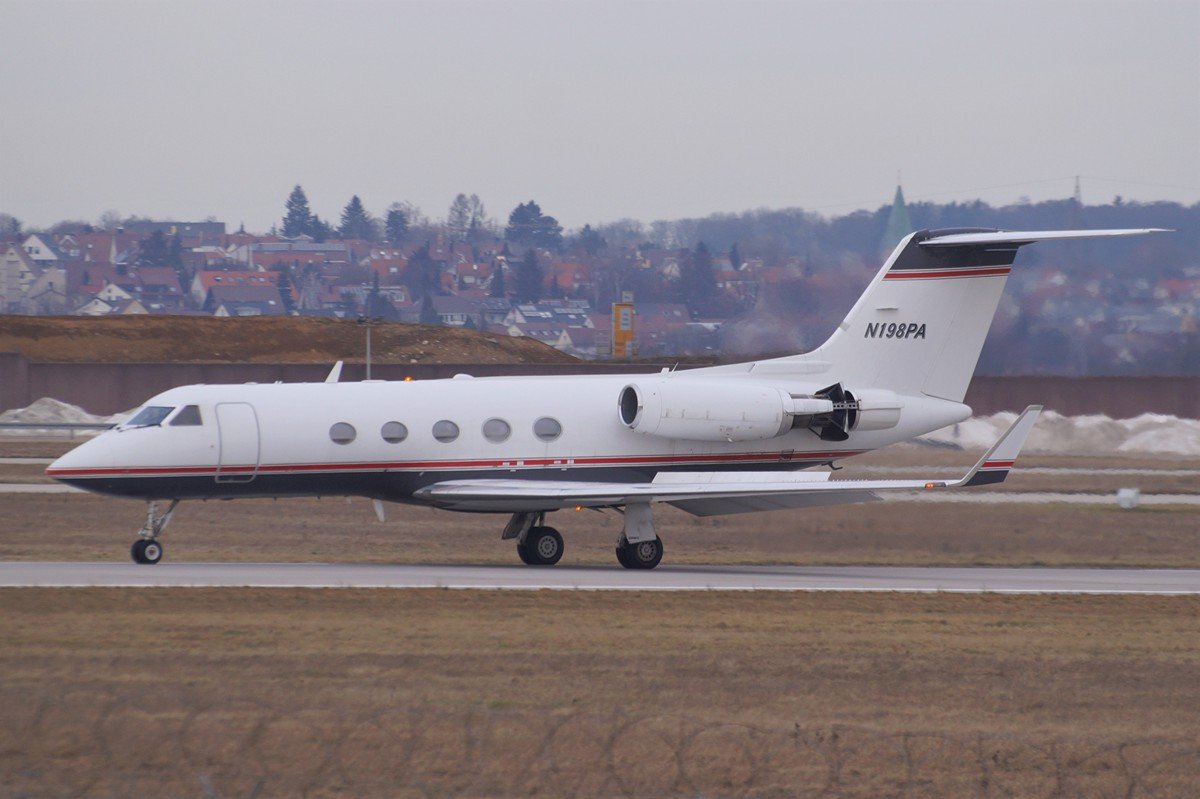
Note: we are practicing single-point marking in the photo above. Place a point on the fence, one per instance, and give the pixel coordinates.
(116, 743)
(107, 388)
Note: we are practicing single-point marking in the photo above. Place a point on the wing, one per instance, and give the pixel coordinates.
(717, 493)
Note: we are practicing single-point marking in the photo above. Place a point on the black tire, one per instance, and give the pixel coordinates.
(138, 551)
(152, 553)
(623, 556)
(523, 554)
(643, 555)
(544, 545)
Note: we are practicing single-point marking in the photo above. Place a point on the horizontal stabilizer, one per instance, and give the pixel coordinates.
(1019, 237)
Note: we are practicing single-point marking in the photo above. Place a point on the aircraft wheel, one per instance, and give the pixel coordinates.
(544, 546)
(643, 555)
(146, 551)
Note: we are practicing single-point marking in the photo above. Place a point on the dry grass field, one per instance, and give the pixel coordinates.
(238, 693)
(455, 693)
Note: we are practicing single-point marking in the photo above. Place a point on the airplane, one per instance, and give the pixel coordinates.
(714, 440)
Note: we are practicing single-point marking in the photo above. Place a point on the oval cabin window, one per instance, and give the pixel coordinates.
(342, 433)
(547, 429)
(393, 432)
(496, 430)
(445, 431)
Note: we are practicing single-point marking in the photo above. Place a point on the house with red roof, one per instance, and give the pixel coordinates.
(205, 280)
(245, 301)
(160, 288)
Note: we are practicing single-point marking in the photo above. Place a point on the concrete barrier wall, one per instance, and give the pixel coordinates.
(1118, 397)
(106, 388)
(113, 387)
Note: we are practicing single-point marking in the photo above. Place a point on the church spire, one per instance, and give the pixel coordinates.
(898, 224)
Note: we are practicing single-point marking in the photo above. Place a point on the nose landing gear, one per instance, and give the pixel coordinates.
(147, 549)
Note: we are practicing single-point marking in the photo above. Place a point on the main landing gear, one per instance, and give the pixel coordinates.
(543, 546)
(644, 555)
(147, 549)
(539, 545)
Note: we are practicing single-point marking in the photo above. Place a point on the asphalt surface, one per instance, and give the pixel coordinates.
(665, 578)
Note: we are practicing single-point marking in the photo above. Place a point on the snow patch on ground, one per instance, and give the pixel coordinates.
(1054, 433)
(51, 411)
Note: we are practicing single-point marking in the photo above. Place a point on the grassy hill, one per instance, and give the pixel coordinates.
(200, 339)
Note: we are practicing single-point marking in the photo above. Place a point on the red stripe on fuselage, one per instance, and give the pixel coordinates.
(930, 274)
(510, 463)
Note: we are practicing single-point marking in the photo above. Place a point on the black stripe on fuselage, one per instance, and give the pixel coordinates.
(394, 486)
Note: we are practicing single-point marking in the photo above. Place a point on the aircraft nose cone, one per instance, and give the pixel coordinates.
(88, 456)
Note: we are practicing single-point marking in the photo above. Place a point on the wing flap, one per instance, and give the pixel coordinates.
(715, 493)
(726, 506)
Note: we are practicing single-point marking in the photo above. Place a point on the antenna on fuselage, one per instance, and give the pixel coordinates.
(334, 373)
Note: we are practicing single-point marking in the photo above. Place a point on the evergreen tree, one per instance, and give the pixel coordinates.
(497, 283)
(735, 257)
(283, 282)
(396, 226)
(154, 250)
(590, 241)
(377, 304)
(429, 315)
(529, 226)
(319, 229)
(299, 217)
(697, 282)
(529, 278)
(356, 222)
(175, 252)
(421, 273)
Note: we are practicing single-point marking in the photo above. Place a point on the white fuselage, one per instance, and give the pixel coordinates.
(278, 439)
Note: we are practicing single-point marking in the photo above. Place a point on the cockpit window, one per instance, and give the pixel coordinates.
(188, 416)
(150, 416)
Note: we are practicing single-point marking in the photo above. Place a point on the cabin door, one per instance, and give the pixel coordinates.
(237, 458)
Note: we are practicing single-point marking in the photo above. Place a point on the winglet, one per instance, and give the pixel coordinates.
(334, 373)
(996, 463)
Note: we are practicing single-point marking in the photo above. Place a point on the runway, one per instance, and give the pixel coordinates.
(592, 578)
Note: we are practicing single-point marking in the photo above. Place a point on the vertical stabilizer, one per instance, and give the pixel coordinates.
(920, 325)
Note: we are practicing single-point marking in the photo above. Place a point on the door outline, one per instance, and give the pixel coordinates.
(236, 477)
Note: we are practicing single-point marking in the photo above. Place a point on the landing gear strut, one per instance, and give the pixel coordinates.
(537, 544)
(147, 549)
(639, 547)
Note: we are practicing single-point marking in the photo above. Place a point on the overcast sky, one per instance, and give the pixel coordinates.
(598, 110)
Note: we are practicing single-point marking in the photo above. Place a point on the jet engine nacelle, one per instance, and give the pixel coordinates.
(705, 410)
(878, 409)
